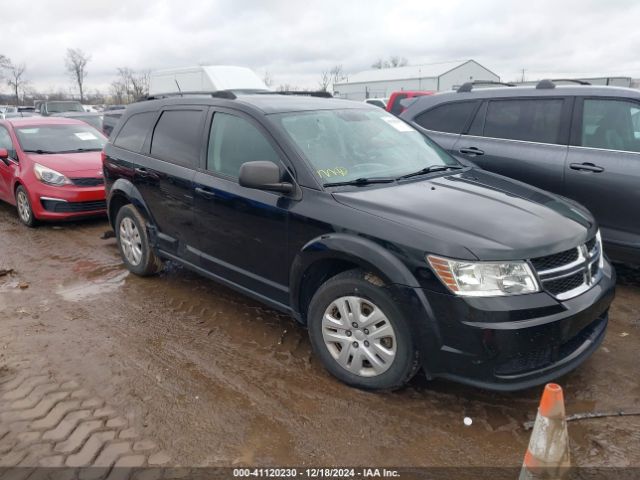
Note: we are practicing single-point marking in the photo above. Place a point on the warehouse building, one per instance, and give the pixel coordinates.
(435, 76)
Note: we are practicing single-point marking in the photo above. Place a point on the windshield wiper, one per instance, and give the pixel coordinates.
(39, 151)
(361, 181)
(77, 150)
(430, 169)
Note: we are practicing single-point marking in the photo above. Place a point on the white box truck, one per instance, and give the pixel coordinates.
(209, 78)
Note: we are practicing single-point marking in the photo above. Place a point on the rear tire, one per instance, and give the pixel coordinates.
(133, 243)
(360, 334)
(23, 205)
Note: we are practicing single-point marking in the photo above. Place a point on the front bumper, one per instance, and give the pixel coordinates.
(69, 201)
(511, 343)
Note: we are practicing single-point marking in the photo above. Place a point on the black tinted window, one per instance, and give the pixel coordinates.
(451, 117)
(530, 120)
(611, 124)
(177, 137)
(234, 141)
(134, 132)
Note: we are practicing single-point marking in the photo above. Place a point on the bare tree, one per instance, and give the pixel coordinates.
(16, 79)
(394, 61)
(130, 85)
(337, 74)
(286, 87)
(325, 81)
(76, 63)
(267, 79)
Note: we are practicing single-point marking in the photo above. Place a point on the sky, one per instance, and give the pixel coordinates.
(295, 41)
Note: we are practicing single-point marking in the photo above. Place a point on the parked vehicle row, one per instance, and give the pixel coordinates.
(391, 252)
(582, 142)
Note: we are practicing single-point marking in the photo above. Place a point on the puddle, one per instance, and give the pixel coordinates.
(91, 288)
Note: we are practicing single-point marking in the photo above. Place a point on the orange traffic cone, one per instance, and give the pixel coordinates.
(548, 453)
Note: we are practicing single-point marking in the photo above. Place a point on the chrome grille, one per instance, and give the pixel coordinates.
(572, 272)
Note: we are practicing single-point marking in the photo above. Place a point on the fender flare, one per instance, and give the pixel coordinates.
(353, 248)
(124, 187)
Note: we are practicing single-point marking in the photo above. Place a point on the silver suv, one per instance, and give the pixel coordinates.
(580, 141)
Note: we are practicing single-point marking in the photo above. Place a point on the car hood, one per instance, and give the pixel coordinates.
(493, 217)
(79, 164)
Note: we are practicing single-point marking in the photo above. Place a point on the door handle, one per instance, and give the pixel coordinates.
(586, 167)
(471, 151)
(205, 193)
(143, 172)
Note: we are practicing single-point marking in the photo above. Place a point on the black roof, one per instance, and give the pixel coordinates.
(266, 103)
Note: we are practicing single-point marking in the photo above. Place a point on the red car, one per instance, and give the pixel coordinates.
(394, 106)
(51, 168)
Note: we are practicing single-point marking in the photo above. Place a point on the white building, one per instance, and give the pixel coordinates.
(434, 76)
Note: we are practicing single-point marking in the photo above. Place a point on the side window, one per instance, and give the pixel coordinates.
(5, 142)
(134, 132)
(529, 120)
(177, 137)
(450, 117)
(396, 108)
(234, 141)
(611, 124)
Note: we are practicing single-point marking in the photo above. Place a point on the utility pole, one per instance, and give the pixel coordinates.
(522, 76)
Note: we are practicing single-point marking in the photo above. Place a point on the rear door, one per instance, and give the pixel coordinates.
(603, 165)
(164, 177)
(522, 138)
(243, 231)
(445, 122)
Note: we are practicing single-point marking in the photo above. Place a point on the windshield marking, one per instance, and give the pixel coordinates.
(333, 172)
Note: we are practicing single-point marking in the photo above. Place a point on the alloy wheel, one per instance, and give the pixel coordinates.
(24, 209)
(130, 241)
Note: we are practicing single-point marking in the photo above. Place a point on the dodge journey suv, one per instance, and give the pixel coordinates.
(579, 141)
(394, 255)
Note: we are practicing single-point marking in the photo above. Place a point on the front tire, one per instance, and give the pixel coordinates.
(25, 212)
(133, 243)
(360, 334)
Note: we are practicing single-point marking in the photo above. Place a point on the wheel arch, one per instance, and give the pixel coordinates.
(329, 255)
(122, 193)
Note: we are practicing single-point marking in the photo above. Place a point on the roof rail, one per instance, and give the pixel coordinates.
(547, 83)
(306, 93)
(228, 94)
(468, 86)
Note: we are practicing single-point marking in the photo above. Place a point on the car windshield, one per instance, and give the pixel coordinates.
(58, 107)
(94, 120)
(346, 145)
(59, 138)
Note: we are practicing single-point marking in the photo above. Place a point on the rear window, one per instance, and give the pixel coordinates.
(530, 120)
(59, 107)
(134, 132)
(59, 138)
(177, 137)
(450, 117)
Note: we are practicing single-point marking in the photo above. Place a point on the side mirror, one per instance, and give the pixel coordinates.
(4, 155)
(263, 175)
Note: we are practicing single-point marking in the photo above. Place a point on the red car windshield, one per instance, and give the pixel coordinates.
(59, 138)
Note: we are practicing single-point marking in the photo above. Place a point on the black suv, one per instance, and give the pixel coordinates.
(579, 141)
(392, 253)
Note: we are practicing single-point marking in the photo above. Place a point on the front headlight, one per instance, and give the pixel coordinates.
(49, 176)
(484, 279)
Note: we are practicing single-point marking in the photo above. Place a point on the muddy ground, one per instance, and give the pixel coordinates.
(214, 378)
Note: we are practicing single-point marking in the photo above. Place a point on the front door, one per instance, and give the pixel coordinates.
(243, 231)
(603, 166)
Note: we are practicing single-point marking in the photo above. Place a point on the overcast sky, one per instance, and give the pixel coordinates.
(294, 40)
